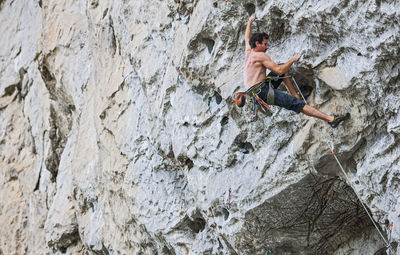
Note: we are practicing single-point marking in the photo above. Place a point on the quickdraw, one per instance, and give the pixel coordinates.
(389, 230)
(229, 199)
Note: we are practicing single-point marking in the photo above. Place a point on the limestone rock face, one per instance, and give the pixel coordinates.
(118, 135)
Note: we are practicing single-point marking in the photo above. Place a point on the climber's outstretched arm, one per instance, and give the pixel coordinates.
(278, 69)
(248, 32)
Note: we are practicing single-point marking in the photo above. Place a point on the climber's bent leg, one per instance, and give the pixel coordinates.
(287, 101)
(290, 86)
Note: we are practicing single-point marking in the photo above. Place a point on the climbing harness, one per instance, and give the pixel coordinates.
(332, 149)
(253, 92)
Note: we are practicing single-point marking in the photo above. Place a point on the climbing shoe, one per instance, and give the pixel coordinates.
(338, 119)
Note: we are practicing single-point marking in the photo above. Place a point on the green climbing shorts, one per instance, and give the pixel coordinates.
(281, 98)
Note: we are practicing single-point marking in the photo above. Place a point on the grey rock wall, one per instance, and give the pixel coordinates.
(118, 135)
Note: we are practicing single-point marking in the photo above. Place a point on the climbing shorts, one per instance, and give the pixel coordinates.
(282, 99)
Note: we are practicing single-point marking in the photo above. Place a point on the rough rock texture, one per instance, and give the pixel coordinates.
(117, 135)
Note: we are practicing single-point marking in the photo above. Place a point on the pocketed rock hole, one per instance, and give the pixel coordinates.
(226, 213)
(209, 43)
(197, 225)
(224, 121)
(218, 97)
(243, 146)
(305, 80)
(184, 160)
(276, 25)
(250, 8)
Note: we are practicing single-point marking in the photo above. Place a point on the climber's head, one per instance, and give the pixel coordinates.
(259, 42)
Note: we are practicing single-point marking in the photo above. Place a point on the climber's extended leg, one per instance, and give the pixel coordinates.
(292, 103)
(337, 119)
(311, 111)
(333, 121)
(288, 83)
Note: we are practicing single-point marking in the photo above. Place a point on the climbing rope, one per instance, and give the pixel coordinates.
(331, 147)
(297, 86)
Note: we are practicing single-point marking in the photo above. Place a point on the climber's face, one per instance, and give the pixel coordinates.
(263, 46)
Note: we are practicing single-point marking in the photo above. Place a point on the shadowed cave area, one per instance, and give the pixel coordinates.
(313, 216)
(305, 80)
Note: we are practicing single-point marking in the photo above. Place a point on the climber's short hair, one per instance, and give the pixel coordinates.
(257, 37)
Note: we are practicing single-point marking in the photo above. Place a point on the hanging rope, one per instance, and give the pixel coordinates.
(297, 86)
(331, 147)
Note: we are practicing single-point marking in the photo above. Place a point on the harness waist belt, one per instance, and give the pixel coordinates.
(256, 89)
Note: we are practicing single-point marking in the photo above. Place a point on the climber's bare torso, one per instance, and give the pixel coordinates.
(254, 70)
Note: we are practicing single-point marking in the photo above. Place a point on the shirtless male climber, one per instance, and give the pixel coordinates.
(255, 65)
